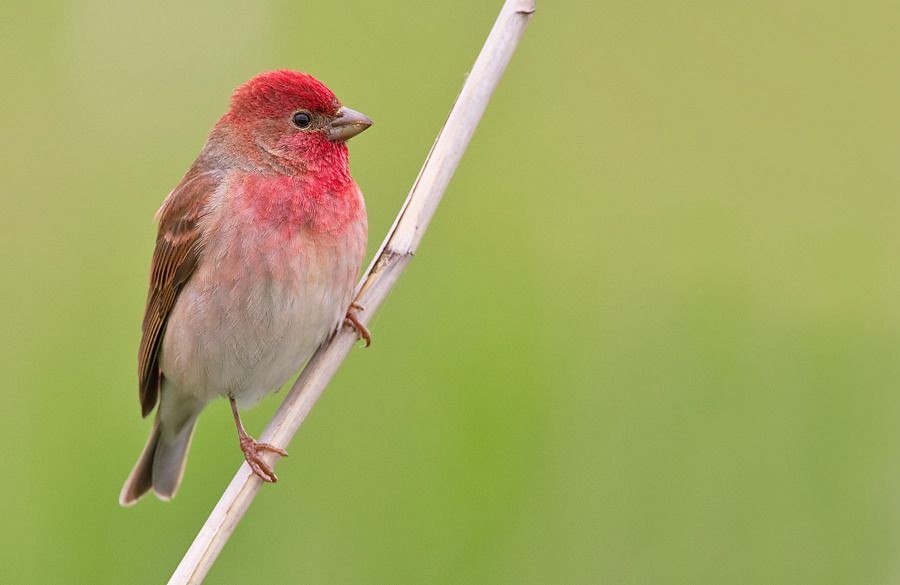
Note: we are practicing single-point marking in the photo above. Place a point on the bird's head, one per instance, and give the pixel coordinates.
(293, 118)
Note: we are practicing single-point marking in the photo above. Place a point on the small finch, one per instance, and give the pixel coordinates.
(257, 254)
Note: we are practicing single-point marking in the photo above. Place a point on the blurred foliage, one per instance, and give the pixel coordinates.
(652, 337)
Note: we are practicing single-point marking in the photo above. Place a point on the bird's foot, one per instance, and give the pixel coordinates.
(253, 455)
(351, 319)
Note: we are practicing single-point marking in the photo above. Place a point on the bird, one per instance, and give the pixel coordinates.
(257, 254)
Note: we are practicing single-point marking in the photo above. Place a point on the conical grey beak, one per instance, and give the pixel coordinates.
(346, 125)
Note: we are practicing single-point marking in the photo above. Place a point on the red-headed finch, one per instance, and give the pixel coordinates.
(257, 254)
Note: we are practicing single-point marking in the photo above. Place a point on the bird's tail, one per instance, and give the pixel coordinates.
(160, 466)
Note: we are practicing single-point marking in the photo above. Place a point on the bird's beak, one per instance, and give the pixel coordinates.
(347, 124)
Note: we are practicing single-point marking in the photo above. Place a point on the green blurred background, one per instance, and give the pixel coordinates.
(653, 335)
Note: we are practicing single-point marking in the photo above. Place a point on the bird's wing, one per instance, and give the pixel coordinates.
(178, 253)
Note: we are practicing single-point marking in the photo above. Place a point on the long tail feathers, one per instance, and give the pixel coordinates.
(160, 466)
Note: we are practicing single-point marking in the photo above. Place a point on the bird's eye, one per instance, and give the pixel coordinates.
(302, 119)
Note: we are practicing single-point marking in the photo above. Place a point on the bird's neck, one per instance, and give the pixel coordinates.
(296, 187)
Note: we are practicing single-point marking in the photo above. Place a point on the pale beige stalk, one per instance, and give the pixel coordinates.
(398, 247)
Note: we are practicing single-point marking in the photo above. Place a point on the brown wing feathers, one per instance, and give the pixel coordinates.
(176, 256)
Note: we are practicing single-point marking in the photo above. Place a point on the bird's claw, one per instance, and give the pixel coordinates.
(253, 456)
(351, 319)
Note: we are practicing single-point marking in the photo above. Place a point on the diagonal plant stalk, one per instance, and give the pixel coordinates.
(398, 247)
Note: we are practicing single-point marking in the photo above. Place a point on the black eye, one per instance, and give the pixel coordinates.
(302, 120)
